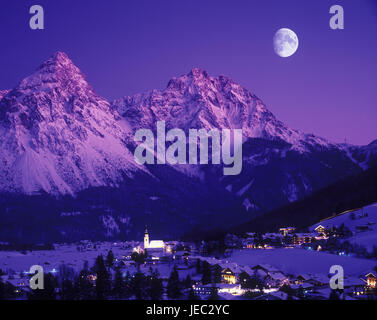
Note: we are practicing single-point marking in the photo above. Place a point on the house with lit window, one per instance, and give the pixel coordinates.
(228, 276)
(286, 231)
(318, 280)
(301, 238)
(371, 281)
(276, 279)
(321, 230)
(270, 275)
(301, 278)
(354, 286)
(250, 244)
(265, 268)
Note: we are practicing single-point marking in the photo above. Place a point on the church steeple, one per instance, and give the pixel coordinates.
(146, 238)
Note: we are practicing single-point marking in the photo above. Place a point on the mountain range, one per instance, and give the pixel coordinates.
(68, 171)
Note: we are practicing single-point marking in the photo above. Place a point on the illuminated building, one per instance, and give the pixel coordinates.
(151, 245)
(371, 280)
(320, 230)
(286, 231)
(228, 276)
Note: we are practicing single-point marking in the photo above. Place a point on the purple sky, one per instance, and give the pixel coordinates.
(329, 87)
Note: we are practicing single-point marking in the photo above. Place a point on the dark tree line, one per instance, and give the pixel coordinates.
(104, 280)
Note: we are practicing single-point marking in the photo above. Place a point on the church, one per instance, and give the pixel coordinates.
(152, 246)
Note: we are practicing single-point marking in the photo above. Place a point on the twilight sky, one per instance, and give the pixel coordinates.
(329, 87)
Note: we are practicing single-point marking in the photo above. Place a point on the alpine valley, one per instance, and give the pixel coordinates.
(68, 172)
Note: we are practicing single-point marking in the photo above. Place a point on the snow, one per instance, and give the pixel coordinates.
(366, 216)
(349, 155)
(110, 225)
(248, 204)
(66, 254)
(61, 136)
(202, 101)
(298, 261)
(245, 188)
(291, 190)
(52, 259)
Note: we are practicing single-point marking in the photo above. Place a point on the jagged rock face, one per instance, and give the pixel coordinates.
(363, 156)
(279, 164)
(58, 135)
(197, 100)
(3, 93)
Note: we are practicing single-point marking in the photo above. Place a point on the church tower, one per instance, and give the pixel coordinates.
(146, 238)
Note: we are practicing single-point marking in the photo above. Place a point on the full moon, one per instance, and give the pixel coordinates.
(285, 42)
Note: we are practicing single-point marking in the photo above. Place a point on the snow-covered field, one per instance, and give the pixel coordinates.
(52, 259)
(299, 261)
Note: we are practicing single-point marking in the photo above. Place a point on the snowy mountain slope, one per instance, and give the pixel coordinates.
(58, 135)
(285, 164)
(365, 217)
(3, 93)
(197, 100)
(363, 155)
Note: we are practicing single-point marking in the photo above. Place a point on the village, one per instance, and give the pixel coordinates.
(285, 265)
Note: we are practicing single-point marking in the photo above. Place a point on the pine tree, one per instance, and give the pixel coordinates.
(174, 285)
(155, 287)
(207, 275)
(245, 280)
(198, 266)
(83, 285)
(188, 282)
(110, 259)
(2, 290)
(103, 283)
(118, 285)
(139, 285)
(68, 291)
(139, 258)
(300, 293)
(216, 274)
(127, 292)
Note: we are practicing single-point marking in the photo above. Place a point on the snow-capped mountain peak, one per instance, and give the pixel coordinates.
(56, 72)
(3, 93)
(198, 100)
(58, 135)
